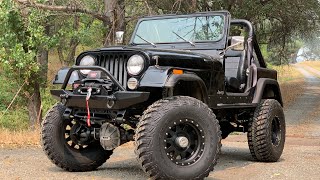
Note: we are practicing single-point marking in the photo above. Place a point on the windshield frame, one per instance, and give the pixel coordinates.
(221, 42)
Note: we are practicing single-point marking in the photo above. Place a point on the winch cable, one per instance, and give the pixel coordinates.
(88, 109)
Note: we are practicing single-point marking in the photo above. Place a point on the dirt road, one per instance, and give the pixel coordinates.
(300, 160)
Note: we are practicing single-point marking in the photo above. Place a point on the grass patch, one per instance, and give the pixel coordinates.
(15, 120)
(291, 81)
(313, 64)
(25, 138)
(288, 74)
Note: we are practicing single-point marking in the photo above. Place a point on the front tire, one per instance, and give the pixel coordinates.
(178, 138)
(267, 130)
(62, 151)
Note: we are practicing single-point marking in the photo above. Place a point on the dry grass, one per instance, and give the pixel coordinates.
(13, 139)
(313, 64)
(291, 83)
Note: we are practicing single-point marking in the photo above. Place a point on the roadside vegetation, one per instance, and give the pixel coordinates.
(291, 83)
(313, 64)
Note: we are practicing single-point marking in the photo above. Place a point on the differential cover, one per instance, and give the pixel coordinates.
(109, 136)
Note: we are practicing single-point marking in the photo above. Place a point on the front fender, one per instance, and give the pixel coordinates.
(155, 77)
(61, 76)
(162, 77)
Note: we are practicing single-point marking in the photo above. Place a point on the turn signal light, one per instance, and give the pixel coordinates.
(177, 71)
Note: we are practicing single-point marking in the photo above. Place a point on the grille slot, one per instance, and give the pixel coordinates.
(116, 63)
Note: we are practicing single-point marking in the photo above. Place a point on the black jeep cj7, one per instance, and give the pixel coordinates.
(183, 83)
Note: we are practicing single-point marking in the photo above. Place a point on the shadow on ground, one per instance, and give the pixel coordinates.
(123, 164)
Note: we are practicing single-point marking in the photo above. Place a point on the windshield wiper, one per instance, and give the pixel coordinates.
(146, 41)
(192, 43)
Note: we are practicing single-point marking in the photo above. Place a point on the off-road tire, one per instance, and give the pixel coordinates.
(60, 153)
(158, 118)
(260, 132)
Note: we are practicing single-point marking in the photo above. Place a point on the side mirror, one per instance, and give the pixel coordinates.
(237, 43)
(119, 37)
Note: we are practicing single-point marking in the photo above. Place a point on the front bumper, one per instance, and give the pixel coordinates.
(118, 100)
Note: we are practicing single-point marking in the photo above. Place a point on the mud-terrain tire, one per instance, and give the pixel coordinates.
(61, 153)
(267, 130)
(160, 140)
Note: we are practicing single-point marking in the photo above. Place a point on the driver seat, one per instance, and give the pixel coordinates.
(235, 73)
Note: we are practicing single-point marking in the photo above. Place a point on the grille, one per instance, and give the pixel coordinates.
(116, 63)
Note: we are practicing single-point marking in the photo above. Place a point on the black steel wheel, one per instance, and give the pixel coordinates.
(266, 134)
(62, 145)
(184, 142)
(73, 138)
(178, 138)
(276, 131)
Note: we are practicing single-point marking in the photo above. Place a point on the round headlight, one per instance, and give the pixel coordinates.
(87, 61)
(135, 64)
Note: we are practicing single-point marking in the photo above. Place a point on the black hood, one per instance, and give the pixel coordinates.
(196, 59)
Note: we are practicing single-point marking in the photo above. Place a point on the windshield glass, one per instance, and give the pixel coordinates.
(184, 29)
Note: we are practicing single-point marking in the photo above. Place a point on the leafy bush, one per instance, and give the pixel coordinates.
(15, 119)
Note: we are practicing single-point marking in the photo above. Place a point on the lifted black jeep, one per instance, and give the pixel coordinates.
(183, 83)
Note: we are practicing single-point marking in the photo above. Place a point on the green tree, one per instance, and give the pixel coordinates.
(22, 39)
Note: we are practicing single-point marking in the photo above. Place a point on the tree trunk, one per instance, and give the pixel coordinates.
(34, 105)
(115, 9)
(43, 61)
(74, 42)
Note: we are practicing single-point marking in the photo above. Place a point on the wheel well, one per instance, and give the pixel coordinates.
(190, 88)
(272, 92)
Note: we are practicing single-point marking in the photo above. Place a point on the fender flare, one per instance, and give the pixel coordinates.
(261, 86)
(174, 79)
(62, 74)
(161, 77)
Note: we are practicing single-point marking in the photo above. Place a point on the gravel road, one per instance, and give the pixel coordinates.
(300, 160)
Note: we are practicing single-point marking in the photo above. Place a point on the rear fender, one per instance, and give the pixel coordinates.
(267, 89)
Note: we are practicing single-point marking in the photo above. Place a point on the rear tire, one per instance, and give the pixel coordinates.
(64, 155)
(178, 138)
(267, 130)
